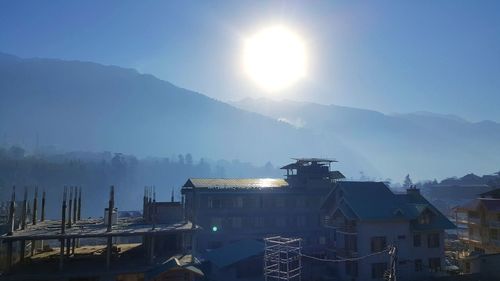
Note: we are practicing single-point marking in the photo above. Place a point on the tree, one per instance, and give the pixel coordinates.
(16, 152)
(407, 182)
(189, 159)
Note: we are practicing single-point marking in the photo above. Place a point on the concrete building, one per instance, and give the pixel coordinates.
(479, 223)
(93, 249)
(364, 218)
(484, 266)
(230, 210)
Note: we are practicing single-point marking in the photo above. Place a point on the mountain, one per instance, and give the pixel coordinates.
(83, 106)
(424, 144)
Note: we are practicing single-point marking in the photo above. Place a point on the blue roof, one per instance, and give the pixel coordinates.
(235, 252)
(375, 201)
(372, 200)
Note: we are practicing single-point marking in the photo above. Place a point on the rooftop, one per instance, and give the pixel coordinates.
(375, 201)
(258, 183)
(92, 228)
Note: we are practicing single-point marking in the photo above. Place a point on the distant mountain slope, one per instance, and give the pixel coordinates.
(425, 144)
(86, 106)
(91, 107)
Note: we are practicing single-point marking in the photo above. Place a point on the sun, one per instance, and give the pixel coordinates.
(275, 58)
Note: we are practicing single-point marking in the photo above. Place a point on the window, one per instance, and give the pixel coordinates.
(217, 222)
(425, 217)
(417, 240)
(467, 267)
(238, 202)
(378, 270)
(300, 202)
(418, 265)
(351, 268)
(236, 222)
(433, 240)
(301, 221)
(259, 222)
(401, 237)
(280, 221)
(378, 244)
(214, 203)
(280, 202)
(434, 264)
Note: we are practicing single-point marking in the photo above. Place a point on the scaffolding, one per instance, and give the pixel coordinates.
(282, 259)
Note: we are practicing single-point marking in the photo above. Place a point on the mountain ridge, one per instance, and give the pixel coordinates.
(92, 107)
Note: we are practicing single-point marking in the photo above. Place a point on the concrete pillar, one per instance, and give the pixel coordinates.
(109, 247)
(75, 203)
(151, 249)
(9, 255)
(70, 205)
(68, 247)
(12, 212)
(63, 212)
(24, 209)
(42, 215)
(73, 245)
(79, 213)
(22, 250)
(35, 207)
(111, 206)
(61, 254)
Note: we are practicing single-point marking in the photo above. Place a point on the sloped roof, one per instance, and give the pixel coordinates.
(235, 252)
(375, 201)
(372, 200)
(223, 183)
(336, 175)
(416, 204)
(495, 193)
(172, 264)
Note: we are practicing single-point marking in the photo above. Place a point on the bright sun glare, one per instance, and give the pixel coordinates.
(275, 58)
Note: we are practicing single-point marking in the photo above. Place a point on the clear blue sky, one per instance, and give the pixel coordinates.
(392, 56)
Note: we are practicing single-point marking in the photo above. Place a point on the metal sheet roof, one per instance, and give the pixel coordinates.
(257, 183)
(375, 201)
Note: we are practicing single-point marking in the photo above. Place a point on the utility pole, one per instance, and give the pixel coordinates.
(393, 253)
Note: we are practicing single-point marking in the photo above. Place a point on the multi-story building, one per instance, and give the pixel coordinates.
(479, 223)
(366, 217)
(230, 210)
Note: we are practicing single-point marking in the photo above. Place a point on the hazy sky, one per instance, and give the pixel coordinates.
(392, 56)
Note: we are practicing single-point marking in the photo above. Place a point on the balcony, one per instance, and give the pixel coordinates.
(474, 220)
(470, 238)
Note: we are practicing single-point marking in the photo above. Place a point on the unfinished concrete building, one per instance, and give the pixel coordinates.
(90, 249)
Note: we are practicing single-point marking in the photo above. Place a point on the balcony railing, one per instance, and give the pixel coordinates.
(473, 220)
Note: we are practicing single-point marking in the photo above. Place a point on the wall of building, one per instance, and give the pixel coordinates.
(231, 216)
(399, 234)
